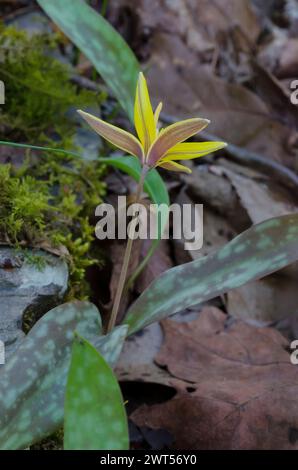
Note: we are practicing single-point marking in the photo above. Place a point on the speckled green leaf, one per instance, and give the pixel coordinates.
(98, 40)
(94, 417)
(257, 252)
(32, 382)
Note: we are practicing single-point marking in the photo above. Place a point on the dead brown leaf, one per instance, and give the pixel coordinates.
(199, 24)
(240, 387)
(288, 60)
(200, 56)
(260, 199)
(158, 263)
(265, 301)
(237, 115)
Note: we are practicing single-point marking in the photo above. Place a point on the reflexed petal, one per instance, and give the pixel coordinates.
(174, 166)
(173, 135)
(157, 113)
(143, 114)
(118, 137)
(190, 150)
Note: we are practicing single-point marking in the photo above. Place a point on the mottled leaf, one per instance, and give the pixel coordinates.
(98, 40)
(32, 383)
(260, 250)
(95, 417)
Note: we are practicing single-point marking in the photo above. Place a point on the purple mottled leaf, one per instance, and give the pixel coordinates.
(33, 381)
(257, 252)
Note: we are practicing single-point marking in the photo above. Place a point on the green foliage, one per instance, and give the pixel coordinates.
(33, 381)
(51, 208)
(24, 207)
(94, 413)
(38, 91)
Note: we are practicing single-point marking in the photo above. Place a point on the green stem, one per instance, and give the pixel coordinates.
(142, 265)
(126, 258)
(37, 147)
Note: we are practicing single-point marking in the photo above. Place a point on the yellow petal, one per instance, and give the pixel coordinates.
(143, 114)
(173, 135)
(190, 150)
(118, 137)
(157, 113)
(174, 166)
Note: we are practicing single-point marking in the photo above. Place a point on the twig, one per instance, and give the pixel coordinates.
(86, 83)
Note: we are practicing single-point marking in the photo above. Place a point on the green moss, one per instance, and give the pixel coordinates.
(51, 208)
(38, 90)
(33, 258)
(22, 216)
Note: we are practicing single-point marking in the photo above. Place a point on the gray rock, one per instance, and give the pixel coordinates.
(33, 22)
(27, 288)
(89, 143)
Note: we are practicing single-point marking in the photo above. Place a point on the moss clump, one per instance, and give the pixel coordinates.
(38, 90)
(22, 216)
(50, 208)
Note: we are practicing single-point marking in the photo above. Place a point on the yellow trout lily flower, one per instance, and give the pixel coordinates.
(155, 147)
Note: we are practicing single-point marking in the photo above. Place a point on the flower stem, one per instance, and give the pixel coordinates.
(127, 255)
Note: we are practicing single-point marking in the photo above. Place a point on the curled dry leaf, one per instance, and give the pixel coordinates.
(240, 386)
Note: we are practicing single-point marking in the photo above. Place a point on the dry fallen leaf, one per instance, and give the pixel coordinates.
(240, 386)
(158, 263)
(199, 23)
(265, 301)
(260, 200)
(237, 115)
(288, 60)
